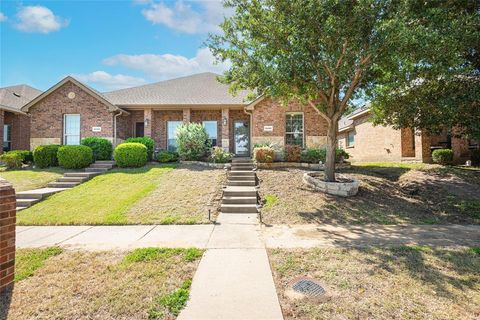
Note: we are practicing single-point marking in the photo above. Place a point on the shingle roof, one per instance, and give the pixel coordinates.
(14, 97)
(347, 120)
(197, 89)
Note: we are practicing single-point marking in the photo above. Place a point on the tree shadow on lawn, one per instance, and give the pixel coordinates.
(5, 301)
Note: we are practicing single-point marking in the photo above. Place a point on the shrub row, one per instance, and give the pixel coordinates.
(442, 156)
(293, 153)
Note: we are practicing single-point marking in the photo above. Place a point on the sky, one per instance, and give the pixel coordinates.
(108, 45)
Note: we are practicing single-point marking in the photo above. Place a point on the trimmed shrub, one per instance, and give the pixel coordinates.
(293, 153)
(315, 155)
(167, 156)
(264, 154)
(442, 156)
(130, 155)
(476, 157)
(74, 157)
(147, 142)
(11, 160)
(101, 147)
(218, 155)
(46, 156)
(192, 141)
(341, 155)
(25, 155)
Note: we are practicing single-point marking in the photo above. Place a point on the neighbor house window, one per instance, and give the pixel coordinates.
(171, 135)
(294, 129)
(211, 127)
(350, 139)
(71, 129)
(7, 137)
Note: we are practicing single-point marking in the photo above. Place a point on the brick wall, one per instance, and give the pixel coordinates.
(20, 130)
(159, 130)
(7, 235)
(408, 142)
(47, 115)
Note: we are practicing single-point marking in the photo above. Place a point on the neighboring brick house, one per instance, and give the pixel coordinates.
(366, 142)
(15, 124)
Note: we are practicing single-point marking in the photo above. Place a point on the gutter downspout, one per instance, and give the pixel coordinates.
(115, 127)
(251, 129)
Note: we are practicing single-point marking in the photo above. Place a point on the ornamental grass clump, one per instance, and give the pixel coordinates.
(192, 141)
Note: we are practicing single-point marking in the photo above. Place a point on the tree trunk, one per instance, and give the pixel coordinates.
(331, 150)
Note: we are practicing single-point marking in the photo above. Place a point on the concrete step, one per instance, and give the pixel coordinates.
(19, 208)
(243, 162)
(239, 200)
(96, 169)
(241, 178)
(101, 165)
(73, 179)
(80, 174)
(112, 162)
(238, 208)
(242, 168)
(63, 184)
(246, 173)
(240, 159)
(38, 193)
(27, 202)
(239, 191)
(248, 183)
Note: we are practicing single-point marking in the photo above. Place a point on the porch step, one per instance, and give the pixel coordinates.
(100, 170)
(239, 192)
(241, 168)
(38, 193)
(242, 159)
(101, 165)
(239, 200)
(20, 208)
(242, 173)
(63, 184)
(241, 178)
(238, 208)
(250, 183)
(73, 179)
(112, 162)
(27, 202)
(80, 174)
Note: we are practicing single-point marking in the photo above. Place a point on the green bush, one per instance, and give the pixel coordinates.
(147, 142)
(25, 155)
(11, 160)
(74, 157)
(264, 154)
(293, 153)
(341, 154)
(167, 156)
(315, 155)
(219, 155)
(101, 147)
(46, 156)
(130, 154)
(442, 156)
(476, 157)
(192, 141)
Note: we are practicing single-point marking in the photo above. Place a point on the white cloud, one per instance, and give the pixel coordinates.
(109, 82)
(188, 17)
(38, 19)
(168, 66)
(2, 17)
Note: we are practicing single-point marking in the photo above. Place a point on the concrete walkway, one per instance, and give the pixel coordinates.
(242, 231)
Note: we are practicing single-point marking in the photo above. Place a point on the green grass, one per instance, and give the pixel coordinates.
(270, 200)
(153, 254)
(401, 165)
(29, 260)
(173, 302)
(28, 179)
(105, 199)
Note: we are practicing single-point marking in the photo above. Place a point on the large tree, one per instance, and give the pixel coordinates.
(327, 53)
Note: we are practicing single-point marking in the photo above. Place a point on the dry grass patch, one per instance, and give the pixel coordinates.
(182, 196)
(382, 283)
(28, 179)
(145, 283)
(391, 194)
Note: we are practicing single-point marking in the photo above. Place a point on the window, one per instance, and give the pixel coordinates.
(171, 128)
(71, 129)
(211, 127)
(294, 129)
(350, 139)
(7, 137)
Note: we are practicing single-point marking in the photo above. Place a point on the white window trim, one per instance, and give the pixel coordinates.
(303, 126)
(65, 126)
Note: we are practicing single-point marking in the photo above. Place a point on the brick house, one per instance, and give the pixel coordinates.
(366, 142)
(15, 124)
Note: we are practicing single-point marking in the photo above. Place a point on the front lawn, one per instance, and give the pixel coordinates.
(381, 283)
(390, 193)
(150, 283)
(28, 179)
(155, 194)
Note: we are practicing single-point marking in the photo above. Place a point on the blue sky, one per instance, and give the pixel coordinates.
(106, 44)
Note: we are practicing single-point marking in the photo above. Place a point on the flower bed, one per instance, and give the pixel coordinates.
(313, 166)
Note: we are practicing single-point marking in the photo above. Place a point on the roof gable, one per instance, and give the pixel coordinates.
(13, 98)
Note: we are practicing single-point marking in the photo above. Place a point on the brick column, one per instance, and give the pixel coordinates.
(7, 235)
(225, 129)
(186, 115)
(147, 120)
(2, 118)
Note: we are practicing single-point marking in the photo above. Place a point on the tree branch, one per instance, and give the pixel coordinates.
(344, 50)
(323, 115)
(354, 83)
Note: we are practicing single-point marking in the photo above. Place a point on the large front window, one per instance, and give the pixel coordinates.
(211, 127)
(294, 129)
(171, 134)
(71, 129)
(7, 137)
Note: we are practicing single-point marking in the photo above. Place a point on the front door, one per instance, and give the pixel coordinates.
(242, 138)
(139, 129)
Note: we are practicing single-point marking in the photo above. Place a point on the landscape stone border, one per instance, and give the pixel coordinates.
(346, 188)
(207, 164)
(313, 166)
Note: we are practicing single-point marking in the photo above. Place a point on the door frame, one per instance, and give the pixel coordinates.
(247, 124)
